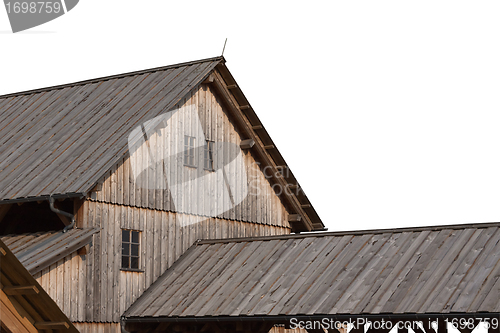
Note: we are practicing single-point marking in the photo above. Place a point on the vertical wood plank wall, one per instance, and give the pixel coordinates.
(92, 289)
(262, 204)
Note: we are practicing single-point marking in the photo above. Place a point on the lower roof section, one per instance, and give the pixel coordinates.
(430, 270)
(37, 251)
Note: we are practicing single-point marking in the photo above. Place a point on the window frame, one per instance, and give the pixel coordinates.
(189, 153)
(129, 255)
(208, 156)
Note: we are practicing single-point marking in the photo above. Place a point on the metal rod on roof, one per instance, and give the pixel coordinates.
(57, 211)
(224, 48)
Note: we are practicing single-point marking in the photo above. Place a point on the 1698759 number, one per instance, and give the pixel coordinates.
(33, 7)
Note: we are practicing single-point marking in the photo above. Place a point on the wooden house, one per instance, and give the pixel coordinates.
(155, 201)
(90, 156)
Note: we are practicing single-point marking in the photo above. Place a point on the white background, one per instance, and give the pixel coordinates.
(387, 112)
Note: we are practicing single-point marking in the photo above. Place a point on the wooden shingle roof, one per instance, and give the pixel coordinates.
(39, 250)
(61, 140)
(431, 270)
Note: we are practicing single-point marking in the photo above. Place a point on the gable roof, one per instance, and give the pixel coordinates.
(43, 312)
(439, 270)
(61, 140)
(37, 251)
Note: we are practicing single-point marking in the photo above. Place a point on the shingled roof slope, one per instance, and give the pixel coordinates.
(61, 140)
(440, 270)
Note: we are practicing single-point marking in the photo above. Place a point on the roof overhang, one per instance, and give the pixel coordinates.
(25, 302)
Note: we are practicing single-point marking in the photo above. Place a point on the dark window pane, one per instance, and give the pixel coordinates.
(135, 250)
(125, 235)
(125, 262)
(125, 249)
(134, 262)
(135, 236)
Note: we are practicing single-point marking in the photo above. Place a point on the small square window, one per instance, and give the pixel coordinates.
(208, 161)
(130, 249)
(189, 151)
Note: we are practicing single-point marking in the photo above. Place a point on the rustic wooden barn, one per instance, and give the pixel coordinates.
(72, 144)
(100, 200)
(24, 305)
(421, 274)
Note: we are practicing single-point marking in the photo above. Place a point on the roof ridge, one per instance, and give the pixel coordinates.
(353, 232)
(110, 77)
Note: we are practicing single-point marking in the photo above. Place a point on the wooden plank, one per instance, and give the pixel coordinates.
(481, 273)
(119, 182)
(415, 268)
(392, 280)
(13, 319)
(67, 291)
(247, 143)
(449, 287)
(20, 290)
(437, 270)
(52, 325)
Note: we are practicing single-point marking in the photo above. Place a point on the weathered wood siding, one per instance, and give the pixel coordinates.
(93, 288)
(262, 204)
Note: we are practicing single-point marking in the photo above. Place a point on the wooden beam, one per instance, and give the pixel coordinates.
(232, 86)
(305, 206)
(15, 318)
(269, 147)
(244, 107)
(294, 218)
(20, 290)
(209, 79)
(2, 251)
(257, 127)
(52, 325)
(83, 251)
(247, 144)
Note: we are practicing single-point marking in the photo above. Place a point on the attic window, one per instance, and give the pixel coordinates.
(130, 249)
(189, 151)
(208, 163)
